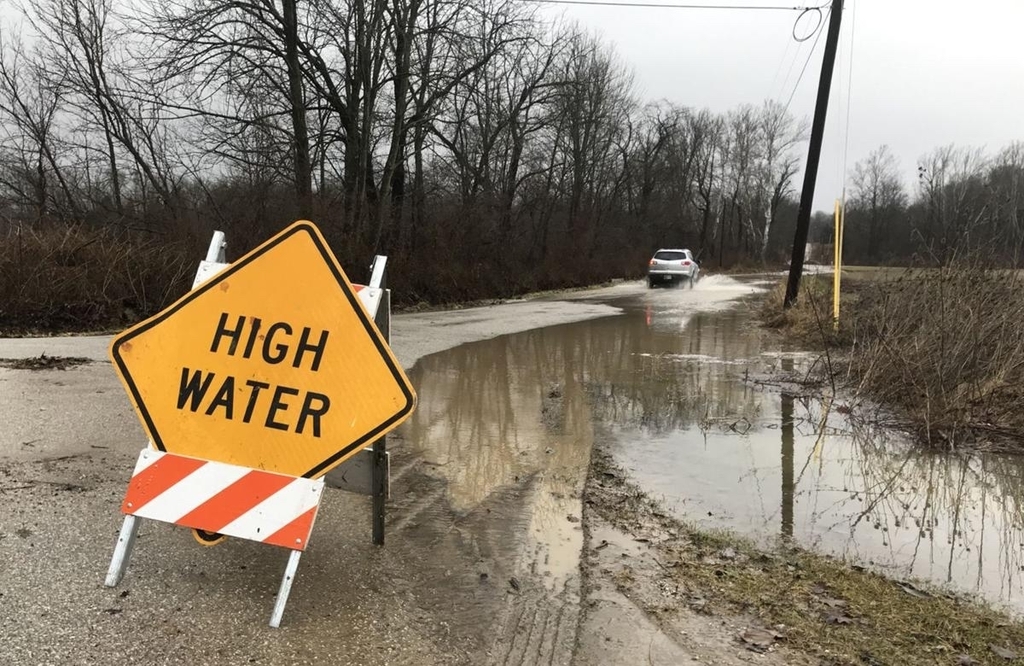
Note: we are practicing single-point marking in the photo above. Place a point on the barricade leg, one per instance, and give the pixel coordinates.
(286, 588)
(123, 550)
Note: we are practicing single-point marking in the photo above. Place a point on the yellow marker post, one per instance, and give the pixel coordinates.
(273, 364)
(837, 274)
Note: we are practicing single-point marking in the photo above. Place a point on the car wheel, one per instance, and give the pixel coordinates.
(650, 283)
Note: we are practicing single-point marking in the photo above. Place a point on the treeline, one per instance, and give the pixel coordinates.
(486, 151)
(965, 203)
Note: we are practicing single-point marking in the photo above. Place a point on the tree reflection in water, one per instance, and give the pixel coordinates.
(674, 397)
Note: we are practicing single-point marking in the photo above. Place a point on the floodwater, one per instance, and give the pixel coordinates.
(674, 387)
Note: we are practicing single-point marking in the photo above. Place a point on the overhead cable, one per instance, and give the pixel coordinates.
(654, 5)
(806, 63)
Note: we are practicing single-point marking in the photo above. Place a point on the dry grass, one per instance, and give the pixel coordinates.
(837, 613)
(809, 321)
(82, 279)
(948, 348)
(944, 346)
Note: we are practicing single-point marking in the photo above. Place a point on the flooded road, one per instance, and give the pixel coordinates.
(670, 388)
(487, 560)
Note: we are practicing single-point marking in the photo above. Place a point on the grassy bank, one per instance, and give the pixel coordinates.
(944, 347)
(838, 615)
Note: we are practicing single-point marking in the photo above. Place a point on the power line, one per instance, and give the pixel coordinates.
(849, 94)
(789, 71)
(799, 41)
(778, 70)
(652, 5)
(806, 62)
(805, 12)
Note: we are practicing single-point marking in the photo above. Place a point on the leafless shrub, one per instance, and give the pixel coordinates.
(946, 345)
(78, 278)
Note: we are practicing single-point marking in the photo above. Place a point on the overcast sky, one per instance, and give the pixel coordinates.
(925, 72)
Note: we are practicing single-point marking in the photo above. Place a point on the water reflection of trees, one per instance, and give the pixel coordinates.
(662, 379)
(498, 407)
(493, 404)
(948, 518)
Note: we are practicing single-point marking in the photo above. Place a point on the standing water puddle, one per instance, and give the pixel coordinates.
(668, 386)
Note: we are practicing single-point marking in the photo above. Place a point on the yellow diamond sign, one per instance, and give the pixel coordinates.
(272, 364)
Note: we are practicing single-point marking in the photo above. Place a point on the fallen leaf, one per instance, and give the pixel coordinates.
(913, 591)
(1002, 652)
(869, 659)
(838, 617)
(728, 554)
(758, 639)
(833, 603)
(514, 583)
(966, 660)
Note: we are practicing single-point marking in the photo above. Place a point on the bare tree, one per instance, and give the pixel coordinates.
(779, 134)
(706, 136)
(1006, 180)
(85, 57)
(953, 194)
(29, 109)
(878, 199)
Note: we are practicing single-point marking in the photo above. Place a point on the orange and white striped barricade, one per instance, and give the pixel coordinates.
(270, 508)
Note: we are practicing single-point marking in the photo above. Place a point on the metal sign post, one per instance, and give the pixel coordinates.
(378, 279)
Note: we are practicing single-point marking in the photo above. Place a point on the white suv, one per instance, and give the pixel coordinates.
(668, 266)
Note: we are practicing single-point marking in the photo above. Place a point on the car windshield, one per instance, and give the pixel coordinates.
(670, 255)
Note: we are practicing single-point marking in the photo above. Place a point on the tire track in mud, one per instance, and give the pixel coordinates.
(499, 584)
(538, 630)
(504, 570)
(541, 618)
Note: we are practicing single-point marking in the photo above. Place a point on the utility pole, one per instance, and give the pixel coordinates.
(803, 219)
